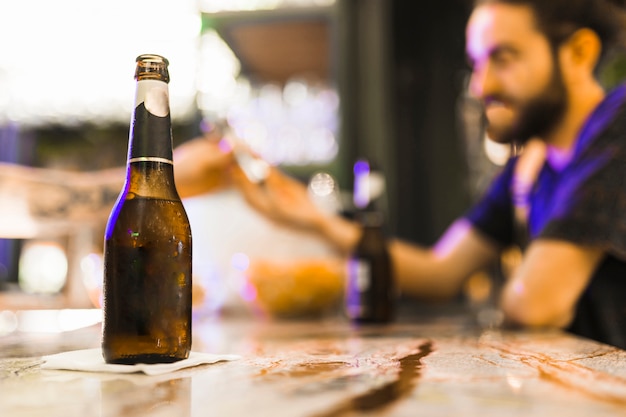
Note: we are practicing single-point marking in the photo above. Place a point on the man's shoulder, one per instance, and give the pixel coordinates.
(606, 126)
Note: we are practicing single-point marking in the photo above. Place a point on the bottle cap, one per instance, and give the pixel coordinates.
(152, 67)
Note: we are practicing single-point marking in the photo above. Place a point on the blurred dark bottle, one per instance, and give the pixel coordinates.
(370, 288)
(147, 248)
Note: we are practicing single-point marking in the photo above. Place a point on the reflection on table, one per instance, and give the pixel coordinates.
(441, 365)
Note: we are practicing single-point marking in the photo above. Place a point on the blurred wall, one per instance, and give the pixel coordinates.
(429, 68)
(402, 70)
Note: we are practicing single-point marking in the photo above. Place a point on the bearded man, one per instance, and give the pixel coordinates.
(534, 68)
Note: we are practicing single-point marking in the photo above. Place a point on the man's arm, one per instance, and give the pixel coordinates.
(545, 288)
(436, 272)
(53, 194)
(542, 292)
(439, 272)
(431, 273)
(57, 197)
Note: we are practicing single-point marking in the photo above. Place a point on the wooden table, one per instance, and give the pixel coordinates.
(327, 368)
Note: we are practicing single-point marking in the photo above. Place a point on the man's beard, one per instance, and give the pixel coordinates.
(537, 116)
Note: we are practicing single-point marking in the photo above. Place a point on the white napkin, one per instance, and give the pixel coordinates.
(91, 360)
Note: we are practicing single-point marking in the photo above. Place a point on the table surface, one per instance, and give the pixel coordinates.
(327, 368)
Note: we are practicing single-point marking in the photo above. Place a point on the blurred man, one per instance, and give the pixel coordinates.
(533, 67)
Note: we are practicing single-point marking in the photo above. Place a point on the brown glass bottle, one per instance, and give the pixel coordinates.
(147, 256)
(370, 295)
(370, 289)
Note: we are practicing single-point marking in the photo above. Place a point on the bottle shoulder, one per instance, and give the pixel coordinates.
(151, 180)
(147, 217)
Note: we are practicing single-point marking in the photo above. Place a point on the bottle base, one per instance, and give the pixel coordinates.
(146, 359)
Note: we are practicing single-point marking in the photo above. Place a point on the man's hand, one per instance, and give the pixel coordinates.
(202, 165)
(280, 198)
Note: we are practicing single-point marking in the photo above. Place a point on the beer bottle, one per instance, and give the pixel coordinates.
(147, 245)
(370, 290)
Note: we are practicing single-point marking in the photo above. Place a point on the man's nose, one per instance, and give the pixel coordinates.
(483, 82)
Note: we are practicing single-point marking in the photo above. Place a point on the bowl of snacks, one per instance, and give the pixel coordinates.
(295, 289)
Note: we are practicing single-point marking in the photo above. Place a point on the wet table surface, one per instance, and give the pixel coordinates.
(327, 368)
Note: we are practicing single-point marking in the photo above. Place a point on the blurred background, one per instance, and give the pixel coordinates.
(311, 85)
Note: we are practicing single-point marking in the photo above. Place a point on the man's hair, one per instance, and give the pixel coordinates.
(559, 19)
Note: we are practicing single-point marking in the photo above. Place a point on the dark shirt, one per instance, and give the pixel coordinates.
(585, 204)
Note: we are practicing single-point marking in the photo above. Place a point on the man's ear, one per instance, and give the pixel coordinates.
(581, 52)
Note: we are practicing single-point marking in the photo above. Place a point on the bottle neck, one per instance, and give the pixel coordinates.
(370, 219)
(151, 179)
(150, 171)
(151, 128)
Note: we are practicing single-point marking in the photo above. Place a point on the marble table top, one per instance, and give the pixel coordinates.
(328, 368)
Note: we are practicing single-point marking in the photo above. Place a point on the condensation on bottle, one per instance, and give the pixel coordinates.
(147, 242)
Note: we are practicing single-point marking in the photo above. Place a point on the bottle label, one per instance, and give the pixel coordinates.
(360, 274)
(151, 127)
(155, 96)
(150, 159)
(359, 277)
